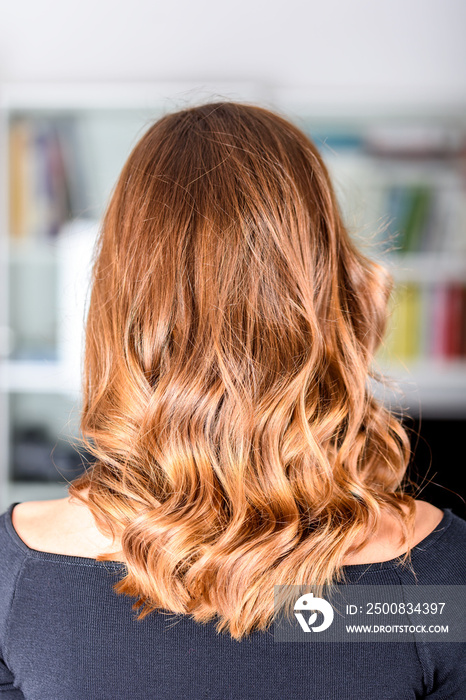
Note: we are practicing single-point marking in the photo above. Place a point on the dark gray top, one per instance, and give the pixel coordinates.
(66, 635)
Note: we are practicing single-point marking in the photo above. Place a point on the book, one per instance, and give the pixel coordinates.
(408, 327)
(417, 217)
(20, 177)
(463, 322)
(453, 320)
(438, 348)
(47, 178)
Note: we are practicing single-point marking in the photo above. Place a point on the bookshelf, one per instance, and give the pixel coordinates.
(62, 147)
(395, 180)
(399, 169)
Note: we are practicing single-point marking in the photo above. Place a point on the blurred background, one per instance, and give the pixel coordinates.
(379, 86)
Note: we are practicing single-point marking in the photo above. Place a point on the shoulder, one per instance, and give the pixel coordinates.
(428, 518)
(66, 526)
(61, 526)
(384, 545)
(12, 560)
(438, 555)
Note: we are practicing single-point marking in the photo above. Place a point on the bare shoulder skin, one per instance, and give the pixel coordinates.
(66, 526)
(384, 545)
(61, 526)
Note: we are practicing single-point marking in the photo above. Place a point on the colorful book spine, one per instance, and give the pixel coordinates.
(426, 322)
(46, 175)
(410, 211)
(20, 177)
(453, 321)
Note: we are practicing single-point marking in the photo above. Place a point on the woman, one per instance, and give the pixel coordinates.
(237, 446)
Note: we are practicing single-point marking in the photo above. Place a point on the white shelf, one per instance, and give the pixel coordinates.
(430, 388)
(43, 377)
(123, 96)
(32, 253)
(428, 268)
(355, 102)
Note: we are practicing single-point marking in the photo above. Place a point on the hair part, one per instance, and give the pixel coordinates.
(226, 402)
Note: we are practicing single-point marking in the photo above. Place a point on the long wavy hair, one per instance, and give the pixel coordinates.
(227, 375)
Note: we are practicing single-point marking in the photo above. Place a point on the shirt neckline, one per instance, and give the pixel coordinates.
(87, 561)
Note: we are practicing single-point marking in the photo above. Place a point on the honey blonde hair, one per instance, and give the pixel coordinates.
(226, 386)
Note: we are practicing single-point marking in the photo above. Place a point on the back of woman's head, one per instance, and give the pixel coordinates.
(231, 328)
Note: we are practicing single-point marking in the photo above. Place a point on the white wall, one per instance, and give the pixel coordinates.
(361, 45)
